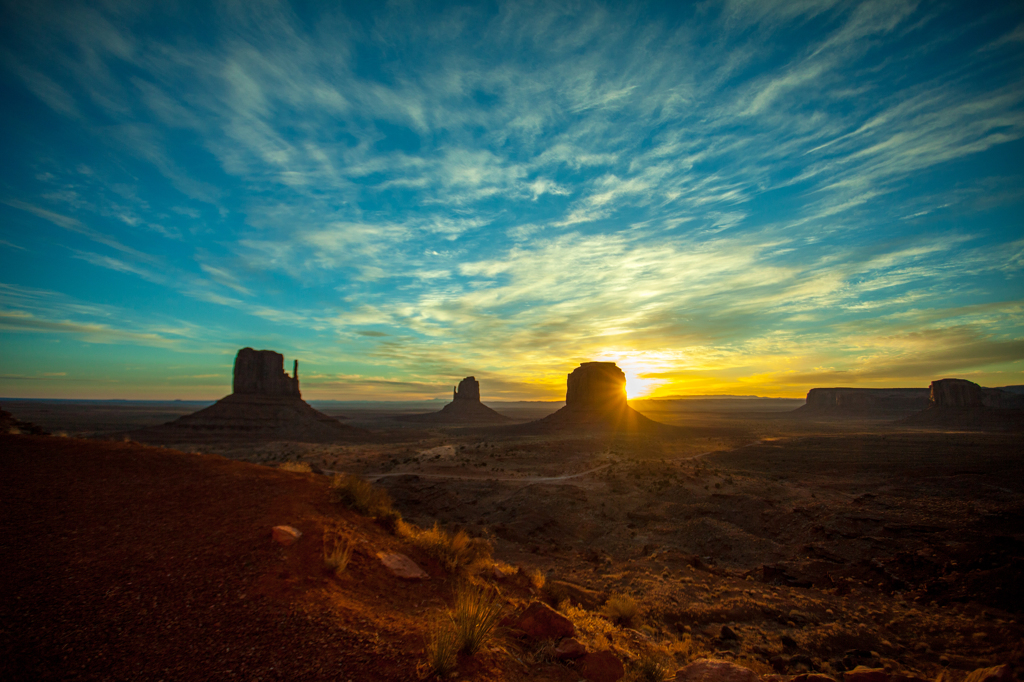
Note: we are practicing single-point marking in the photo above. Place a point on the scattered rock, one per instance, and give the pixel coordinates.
(569, 648)
(711, 670)
(864, 674)
(728, 634)
(540, 621)
(402, 566)
(286, 535)
(788, 642)
(999, 673)
(601, 666)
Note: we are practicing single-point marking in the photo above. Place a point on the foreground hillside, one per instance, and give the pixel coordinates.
(127, 562)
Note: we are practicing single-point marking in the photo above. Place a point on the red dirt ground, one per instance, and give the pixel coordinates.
(128, 562)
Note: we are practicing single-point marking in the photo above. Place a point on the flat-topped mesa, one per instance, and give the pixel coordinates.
(596, 385)
(956, 393)
(469, 389)
(261, 372)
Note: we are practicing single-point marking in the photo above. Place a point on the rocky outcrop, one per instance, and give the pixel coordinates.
(962, 404)
(261, 372)
(596, 385)
(468, 389)
(465, 408)
(955, 393)
(892, 403)
(960, 393)
(266, 405)
(595, 399)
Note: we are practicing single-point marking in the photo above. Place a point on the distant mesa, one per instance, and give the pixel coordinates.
(891, 403)
(595, 399)
(465, 408)
(266, 405)
(962, 404)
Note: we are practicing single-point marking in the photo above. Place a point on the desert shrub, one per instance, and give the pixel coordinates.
(442, 649)
(337, 557)
(591, 630)
(391, 521)
(621, 609)
(474, 616)
(457, 553)
(648, 669)
(536, 578)
(297, 467)
(360, 495)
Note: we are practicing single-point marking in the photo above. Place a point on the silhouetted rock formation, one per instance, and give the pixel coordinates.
(962, 404)
(261, 372)
(864, 402)
(465, 408)
(960, 393)
(266, 405)
(468, 389)
(596, 385)
(595, 399)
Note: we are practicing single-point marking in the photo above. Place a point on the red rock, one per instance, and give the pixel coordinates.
(540, 621)
(896, 677)
(999, 673)
(402, 566)
(713, 670)
(286, 535)
(864, 674)
(601, 666)
(569, 648)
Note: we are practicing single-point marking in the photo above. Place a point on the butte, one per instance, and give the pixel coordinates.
(265, 404)
(595, 400)
(465, 408)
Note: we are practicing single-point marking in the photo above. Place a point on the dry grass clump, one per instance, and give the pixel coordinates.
(337, 557)
(466, 628)
(297, 467)
(648, 668)
(361, 495)
(475, 615)
(458, 553)
(442, 649)
(621, 609)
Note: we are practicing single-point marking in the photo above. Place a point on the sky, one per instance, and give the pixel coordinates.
(736, 197)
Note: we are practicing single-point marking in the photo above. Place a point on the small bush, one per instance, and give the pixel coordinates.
(297, 467)
(360, 495)
(621, 609)
(457, 553)
(337, 557)
(442, 648)
(649, 669)
(535, 577)
(475, 614)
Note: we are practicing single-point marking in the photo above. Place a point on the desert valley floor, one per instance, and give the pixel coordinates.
(787, 544)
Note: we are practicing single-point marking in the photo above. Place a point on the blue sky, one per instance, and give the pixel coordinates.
(724, 197)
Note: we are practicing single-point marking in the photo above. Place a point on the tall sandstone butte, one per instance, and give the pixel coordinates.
(595, 400)
(468, 389)
(596, 385)
(265, 405)
(465, 408)
(261, 372)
